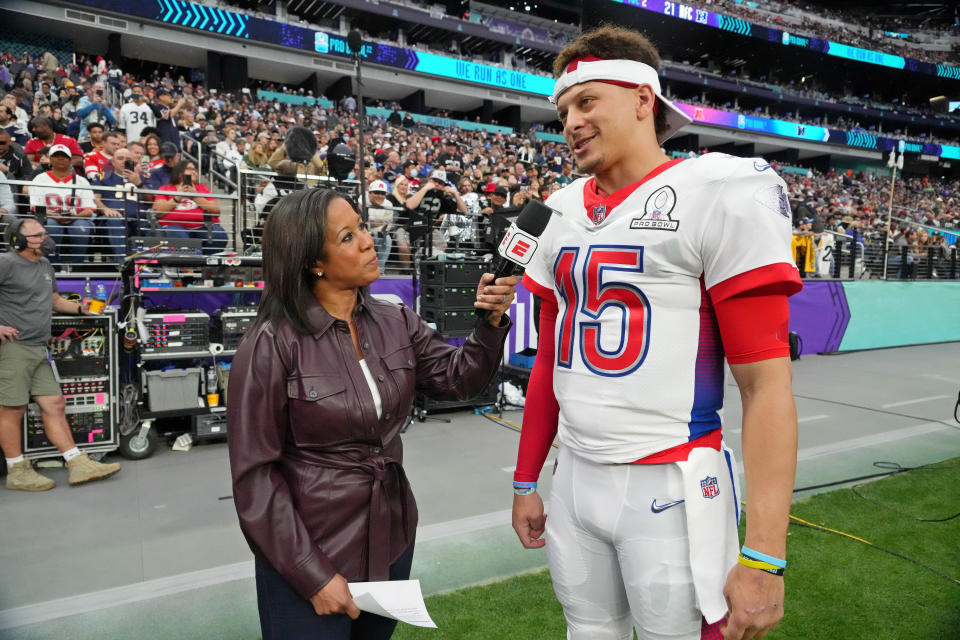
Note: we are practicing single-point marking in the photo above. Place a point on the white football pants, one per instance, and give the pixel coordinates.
(615, 563)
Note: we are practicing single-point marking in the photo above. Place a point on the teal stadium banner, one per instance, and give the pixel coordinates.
(834, 316)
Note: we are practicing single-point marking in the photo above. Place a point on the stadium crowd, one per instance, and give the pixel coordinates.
(58, 125)
(866, 32)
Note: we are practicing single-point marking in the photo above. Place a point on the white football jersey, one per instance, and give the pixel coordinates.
(61, 197)
(639, 362)
(135, 118)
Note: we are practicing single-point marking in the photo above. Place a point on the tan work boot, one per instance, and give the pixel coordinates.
(83, 469)
(22, 477)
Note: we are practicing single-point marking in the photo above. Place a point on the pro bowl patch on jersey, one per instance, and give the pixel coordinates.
(775, 199)
(709, 487)
(656, 211)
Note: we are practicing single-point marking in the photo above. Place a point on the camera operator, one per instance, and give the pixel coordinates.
(28, 296)
(430, 204)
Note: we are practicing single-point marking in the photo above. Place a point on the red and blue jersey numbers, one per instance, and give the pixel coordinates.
(589, 285)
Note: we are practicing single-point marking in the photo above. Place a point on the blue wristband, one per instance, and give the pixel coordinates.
(756, 555)
(524, 485)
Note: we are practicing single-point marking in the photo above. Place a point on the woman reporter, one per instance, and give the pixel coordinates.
(319, 390)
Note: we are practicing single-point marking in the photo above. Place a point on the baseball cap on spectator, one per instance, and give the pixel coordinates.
(161, 91)
(410, 163)
(168, 150)
(378, 186)
(209, 127)
(501, 191)
(438, 174)
(490, 187)
(60, 148)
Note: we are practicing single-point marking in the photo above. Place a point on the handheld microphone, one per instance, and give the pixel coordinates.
(519, 243)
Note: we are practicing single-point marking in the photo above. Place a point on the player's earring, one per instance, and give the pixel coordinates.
(319, 274)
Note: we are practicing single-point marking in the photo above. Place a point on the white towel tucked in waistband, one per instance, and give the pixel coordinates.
(712, 502)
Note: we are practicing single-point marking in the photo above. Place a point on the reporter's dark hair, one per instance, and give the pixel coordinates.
(293, 242)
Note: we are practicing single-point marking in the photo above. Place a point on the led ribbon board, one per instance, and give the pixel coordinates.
(742, 27)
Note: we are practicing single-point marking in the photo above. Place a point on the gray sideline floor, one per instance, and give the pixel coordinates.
(156, 551)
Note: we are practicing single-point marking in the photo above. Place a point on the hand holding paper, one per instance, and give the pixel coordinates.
(398, 599)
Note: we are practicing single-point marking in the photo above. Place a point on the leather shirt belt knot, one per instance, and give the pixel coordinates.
(389, 484)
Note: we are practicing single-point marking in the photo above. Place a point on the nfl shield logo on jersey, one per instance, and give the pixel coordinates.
(599, 213)
(709, 487)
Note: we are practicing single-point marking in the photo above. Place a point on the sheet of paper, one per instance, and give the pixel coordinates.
(398, 599)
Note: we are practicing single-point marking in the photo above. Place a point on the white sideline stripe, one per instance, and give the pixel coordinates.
(819, 416)
(869, 441)
(937, 376)
(914, 401)
(170, 585)
(127, 594)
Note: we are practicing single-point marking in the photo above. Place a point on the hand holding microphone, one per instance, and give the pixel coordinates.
(494, 297)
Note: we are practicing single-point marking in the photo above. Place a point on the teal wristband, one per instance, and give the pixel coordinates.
(762, 557)
(524, 488)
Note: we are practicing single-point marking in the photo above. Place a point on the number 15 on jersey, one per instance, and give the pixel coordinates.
(589, 285)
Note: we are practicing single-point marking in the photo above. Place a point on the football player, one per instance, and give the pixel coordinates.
(658, 269)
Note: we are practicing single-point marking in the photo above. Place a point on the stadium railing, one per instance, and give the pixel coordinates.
(98, 245)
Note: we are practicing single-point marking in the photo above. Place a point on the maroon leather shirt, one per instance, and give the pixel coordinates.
(317, 478)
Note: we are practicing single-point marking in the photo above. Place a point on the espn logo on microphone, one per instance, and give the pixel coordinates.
(517, 246)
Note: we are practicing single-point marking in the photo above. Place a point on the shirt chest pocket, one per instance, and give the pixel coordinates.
(318, 409)
(402, 367)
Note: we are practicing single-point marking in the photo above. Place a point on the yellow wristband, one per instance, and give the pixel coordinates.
(758, 564)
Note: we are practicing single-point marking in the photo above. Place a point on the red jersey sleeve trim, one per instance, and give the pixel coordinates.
(782, 277)
(541, 410)
(754, 327)
(538, 290)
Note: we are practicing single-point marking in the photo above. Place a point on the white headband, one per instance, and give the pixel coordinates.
(629, 73)
(625, 71)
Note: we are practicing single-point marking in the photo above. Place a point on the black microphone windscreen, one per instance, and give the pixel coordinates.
(355, 41)
(301, 145)
(534, 217)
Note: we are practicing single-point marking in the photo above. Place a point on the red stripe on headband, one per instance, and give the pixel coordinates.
(588, 58)
(629, 85)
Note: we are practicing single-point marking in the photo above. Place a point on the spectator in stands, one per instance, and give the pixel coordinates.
(93, 162)
(13, 161)
(162, 174)
(428, 206)
(123, 175)
(380, 215)
(93, 108)
(189, 216)
(136, 115)
(68, 204)
(44, 136)
(7, 203)
(19, 113)
(256, 157)
(165, 112)
(8, 124)
(94, 142)
(45, 95)
(60, 124)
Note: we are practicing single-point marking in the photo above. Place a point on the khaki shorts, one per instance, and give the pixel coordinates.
(24, 372)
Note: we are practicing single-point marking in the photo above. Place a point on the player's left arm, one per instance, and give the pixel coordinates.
(755, 597)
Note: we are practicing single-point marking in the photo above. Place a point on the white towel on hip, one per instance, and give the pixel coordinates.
(712, 502)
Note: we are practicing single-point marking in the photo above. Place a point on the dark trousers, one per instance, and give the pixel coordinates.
(285, 615)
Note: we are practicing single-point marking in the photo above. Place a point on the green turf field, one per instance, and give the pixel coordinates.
(836, 587)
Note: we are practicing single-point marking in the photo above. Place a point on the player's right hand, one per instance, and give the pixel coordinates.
(335, 598)
(529, 520)
(8, 333)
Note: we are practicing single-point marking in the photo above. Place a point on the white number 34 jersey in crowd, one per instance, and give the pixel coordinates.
(639, 362)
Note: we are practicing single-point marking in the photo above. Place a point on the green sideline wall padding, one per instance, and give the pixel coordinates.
(889, 314)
